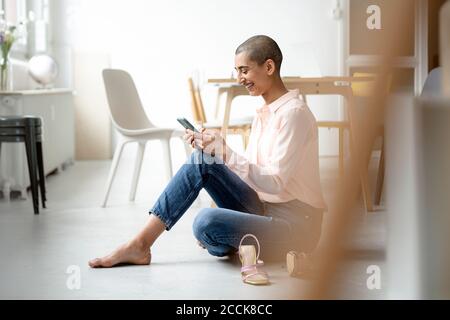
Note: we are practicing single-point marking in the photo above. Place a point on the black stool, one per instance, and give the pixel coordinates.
(27, 129)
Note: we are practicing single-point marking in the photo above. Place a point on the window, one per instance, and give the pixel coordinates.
(14, 12)
(35, 13)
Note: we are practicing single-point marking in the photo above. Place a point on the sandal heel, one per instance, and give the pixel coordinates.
(291, 263)
(298, 264)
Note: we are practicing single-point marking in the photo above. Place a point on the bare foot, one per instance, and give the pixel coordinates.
(129, 253)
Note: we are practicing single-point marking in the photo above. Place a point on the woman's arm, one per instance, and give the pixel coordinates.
(288, 149)
(290, 144)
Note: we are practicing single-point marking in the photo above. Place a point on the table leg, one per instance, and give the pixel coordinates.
(380, 178)
(226, 118)
(220, 92)
(341, 152)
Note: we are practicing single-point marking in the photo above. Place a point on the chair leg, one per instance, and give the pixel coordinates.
(167, 157)
(112, 171)
(245, 134)
(30, 145)
(1, 172)
(247, 137)
(6, 192)
(137, 169)
(244, 140)
(187, 147)
(341, 152)
(41, 172)
(362, 165)
(366, 190)
(380, 177)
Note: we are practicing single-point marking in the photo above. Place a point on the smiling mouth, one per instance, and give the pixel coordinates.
(249, 86)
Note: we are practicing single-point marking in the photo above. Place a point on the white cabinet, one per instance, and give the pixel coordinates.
(55, 106)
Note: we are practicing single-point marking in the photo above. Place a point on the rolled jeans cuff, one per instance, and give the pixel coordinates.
(167, 222)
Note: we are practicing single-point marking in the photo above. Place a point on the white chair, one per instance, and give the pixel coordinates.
(129, 118)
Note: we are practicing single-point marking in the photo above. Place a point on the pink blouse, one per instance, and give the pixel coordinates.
(281, 162)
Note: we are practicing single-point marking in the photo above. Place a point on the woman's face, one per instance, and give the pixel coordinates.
(257, 79)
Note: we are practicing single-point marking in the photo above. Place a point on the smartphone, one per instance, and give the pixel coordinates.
(185, 123)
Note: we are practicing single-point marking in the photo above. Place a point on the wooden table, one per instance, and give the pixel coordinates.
(308, 86)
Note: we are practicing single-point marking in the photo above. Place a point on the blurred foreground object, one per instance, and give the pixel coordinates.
(402, 198)
(434, 219)
(445, 46)
(418, 177)
(417, 186)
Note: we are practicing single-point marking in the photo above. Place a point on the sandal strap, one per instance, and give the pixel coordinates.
(257, 242)
(252, 266)
(248, 268)
(258, 272)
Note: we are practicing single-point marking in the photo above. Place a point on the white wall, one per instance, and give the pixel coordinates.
(161, 43)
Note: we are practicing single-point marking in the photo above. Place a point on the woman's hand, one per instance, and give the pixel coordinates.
(193, 138)
(208, 140)
(188, 137)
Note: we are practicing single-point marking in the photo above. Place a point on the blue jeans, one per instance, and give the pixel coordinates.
(279, 227)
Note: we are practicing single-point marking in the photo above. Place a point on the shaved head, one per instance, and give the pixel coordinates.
(261, 48)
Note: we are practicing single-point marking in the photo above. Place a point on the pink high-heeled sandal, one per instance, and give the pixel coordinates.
(251, 265)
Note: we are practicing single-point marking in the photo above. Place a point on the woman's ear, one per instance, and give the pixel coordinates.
(270, 67)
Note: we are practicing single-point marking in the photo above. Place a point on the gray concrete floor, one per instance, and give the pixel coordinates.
(38, 252)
